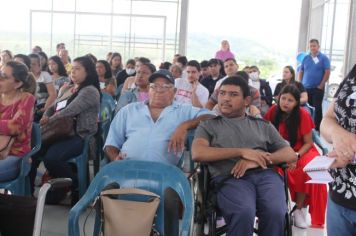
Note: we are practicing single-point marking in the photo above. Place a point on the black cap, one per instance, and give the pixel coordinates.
(162, 74)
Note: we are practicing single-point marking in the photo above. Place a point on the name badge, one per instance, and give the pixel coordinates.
(316, 60)
(61, 105)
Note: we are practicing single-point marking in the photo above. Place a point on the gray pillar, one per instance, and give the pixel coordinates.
(183, 27)
(350, 48)
(304, 26)
(316, 19)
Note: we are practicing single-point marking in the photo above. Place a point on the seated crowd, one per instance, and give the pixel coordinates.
(243, 130)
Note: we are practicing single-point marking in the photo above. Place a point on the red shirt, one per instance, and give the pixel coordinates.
(16, 120)
(305, 126)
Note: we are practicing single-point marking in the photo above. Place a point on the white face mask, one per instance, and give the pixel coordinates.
(130, 71)
(254, 76)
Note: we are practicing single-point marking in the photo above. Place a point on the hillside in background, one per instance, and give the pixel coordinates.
(199, 47)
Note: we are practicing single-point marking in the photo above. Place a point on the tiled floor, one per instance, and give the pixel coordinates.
(55, 223)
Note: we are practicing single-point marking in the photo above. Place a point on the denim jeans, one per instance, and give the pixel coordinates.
(340, 220)
(258, 193)
(9, 168)
(315, 99)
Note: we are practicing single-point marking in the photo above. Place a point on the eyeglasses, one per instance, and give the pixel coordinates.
(230, 94)
(163, 88)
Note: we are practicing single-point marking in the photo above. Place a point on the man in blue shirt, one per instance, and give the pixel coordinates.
(314, 73)
(155, 130)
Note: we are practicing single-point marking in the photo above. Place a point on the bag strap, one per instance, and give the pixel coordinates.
(122, 191)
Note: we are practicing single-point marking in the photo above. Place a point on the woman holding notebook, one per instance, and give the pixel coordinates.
(339, 128)
(295, 125)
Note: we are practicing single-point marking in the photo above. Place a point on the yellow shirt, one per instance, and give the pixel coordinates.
(68, 68)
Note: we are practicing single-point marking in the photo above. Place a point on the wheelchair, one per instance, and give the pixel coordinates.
(206, 214)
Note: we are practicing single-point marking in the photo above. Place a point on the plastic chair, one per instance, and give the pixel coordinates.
(315, 134)
(81, 163)
(151, 176)
(21, 185)
(108, 99)
(105, 117)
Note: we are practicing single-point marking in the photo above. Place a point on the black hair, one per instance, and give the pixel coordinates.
(150, 66)
(230, 59)
(314, 41)
(165, 65)
(91, 79)
(244, 75)
(183, 60)
(61, 69)
(144, 60)
(8, 52)
(22, 74)
(131, 61)
(26, 59)
(44, 55)
(35, 56)
(116, 54)
(92, 57)
(108, 72)
(204, 64)
(237, 81)
(38, 48)
(292, 80)
(293, 119)
(59, 45)
(194, 63)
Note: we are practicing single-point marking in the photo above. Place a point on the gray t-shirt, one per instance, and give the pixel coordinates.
(242, 132)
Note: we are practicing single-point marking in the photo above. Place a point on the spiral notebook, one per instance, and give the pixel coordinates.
(317, 169)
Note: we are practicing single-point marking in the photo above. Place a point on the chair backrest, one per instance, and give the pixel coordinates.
(109, 99)
(152, 176)
(35, 147)
(310, 109)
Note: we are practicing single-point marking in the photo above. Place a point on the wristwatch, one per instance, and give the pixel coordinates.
(297, 154)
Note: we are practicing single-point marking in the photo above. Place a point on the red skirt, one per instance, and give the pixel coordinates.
(316, 194)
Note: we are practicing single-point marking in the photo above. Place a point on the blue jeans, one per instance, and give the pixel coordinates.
(340, 220)
(260, 193)
(9, 168)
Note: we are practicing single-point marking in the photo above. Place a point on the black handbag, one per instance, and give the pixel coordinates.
(57, 130)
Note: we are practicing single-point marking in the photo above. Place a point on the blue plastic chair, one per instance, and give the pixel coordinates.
(107, 98)
(105, 117)
(315, 134)
(21, 185)
(151, 176)
(81, 163)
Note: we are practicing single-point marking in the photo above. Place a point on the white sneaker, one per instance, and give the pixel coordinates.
(299, 219)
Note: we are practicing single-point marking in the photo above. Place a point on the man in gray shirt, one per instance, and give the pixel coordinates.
(245, 148)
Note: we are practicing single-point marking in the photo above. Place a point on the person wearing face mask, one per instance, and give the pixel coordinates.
(263, 86)
(124, 74)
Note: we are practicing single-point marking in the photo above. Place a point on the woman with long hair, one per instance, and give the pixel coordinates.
(289, 78)
(106, 80)
(79, 100)
(16, 115)
(295, 125)
(58, 72)
(116, 63)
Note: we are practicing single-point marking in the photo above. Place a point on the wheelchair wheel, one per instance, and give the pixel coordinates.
(198, 219)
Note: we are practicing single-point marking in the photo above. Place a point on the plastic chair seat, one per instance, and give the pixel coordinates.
(21, 185)
(151, 176)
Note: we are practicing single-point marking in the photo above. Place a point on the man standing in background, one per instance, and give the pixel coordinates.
(314, 73)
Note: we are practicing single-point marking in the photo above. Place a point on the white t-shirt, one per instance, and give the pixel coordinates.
(217, 85)
(184, 92)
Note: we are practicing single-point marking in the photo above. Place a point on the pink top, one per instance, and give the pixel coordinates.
(16, 120)
(223, 55)
(142, 96)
